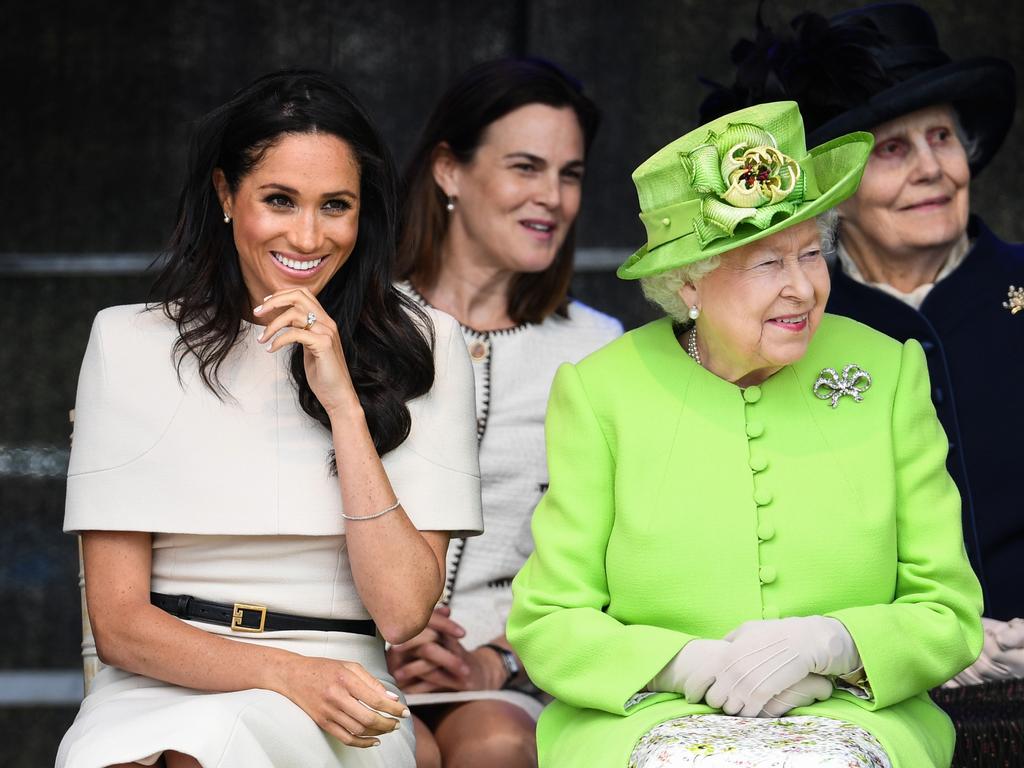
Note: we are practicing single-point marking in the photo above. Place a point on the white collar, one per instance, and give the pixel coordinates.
(915, 297)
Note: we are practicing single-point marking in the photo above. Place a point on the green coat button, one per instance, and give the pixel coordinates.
(762, 497)
(767, 574)
(755, 429)
(765, 531)
(752, 394)
(758, 462)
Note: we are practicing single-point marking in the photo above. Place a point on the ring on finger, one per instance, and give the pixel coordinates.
(310, 319)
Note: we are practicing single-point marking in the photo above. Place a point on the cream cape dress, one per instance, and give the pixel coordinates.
(243, 508)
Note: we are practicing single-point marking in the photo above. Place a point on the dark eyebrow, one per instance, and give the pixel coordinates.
(526, 156)
(290, 191)
(540, 160)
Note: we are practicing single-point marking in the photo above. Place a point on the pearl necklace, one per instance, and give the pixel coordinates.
(691, 347)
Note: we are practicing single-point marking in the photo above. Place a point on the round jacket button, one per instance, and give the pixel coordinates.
(765, 531)
(758, 462)
(770, 612)
(478, 350)
(755, 429)
(752, 394)
(767, 574)
(762, 497)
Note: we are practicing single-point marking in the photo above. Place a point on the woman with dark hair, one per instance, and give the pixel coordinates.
(492, 193)
(258, 458)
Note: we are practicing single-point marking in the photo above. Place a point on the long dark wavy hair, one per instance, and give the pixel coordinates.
(483, 94)
(386, 337)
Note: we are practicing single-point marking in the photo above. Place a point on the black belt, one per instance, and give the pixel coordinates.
(243, 617)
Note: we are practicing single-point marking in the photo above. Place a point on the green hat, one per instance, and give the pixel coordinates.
(739, 178)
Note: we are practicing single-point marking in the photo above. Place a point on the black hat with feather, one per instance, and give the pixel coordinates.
(864, 67)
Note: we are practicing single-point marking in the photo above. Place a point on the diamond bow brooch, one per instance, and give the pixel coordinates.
(830, 385)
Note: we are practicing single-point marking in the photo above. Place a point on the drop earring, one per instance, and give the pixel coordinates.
(694, 313)
(451, 204)
(227, 217)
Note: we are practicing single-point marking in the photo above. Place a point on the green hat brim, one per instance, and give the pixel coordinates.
(841, 160)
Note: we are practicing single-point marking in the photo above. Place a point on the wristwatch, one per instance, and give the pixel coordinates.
(508, 659)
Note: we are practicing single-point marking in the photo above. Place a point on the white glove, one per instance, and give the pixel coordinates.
(809, 690)
(767, 657)
(692, 670)
(1002, 655)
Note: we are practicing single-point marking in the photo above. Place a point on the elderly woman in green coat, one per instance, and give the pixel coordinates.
(750, 547)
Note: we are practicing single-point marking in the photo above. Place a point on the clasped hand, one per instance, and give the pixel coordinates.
(436, 660)
(1002, 655)
(763, 668)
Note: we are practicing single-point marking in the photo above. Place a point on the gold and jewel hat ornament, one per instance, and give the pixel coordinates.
(739, 178)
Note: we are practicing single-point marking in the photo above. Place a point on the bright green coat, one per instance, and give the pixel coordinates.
(681, 506)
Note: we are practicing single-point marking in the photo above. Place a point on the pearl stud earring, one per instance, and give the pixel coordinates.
(694, 313)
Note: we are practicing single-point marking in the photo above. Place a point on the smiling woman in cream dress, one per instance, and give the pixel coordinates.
(492, 195)
(267, 467)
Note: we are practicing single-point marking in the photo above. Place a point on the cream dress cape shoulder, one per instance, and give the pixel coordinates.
(156, 450)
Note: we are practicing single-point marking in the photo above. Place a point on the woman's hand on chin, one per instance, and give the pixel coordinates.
(343, 699)
(324, 358)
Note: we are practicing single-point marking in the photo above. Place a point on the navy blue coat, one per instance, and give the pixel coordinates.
(975, 351)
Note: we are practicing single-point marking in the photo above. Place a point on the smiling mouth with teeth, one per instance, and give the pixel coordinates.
(302, 266)
(538, 227)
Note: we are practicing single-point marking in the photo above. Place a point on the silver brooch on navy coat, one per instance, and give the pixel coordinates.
(854, 381)
(1015, 299)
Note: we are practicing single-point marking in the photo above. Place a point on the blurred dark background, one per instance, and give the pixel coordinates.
(98, 99)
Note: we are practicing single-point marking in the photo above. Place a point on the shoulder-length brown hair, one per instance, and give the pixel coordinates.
(483, 94)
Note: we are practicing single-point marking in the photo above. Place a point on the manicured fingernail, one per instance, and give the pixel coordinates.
(406, 712)
(270, 347)
(391, 695)
(257, 310)
(267, 297)
(375, 743)
(398, 724)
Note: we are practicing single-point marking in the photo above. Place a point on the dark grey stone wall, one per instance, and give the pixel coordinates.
(98, 99)
(96, 118)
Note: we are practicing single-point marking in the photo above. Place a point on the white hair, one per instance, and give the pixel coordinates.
(663, 289)
(971, 145)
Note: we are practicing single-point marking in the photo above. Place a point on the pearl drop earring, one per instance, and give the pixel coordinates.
(694, 313)
(227, 217)
(451, 204)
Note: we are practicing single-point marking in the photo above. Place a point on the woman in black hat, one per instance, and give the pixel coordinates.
(911, 260)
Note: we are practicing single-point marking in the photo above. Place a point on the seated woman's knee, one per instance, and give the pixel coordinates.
(491, 733)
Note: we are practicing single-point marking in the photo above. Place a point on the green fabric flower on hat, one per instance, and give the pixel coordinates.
(743, 177)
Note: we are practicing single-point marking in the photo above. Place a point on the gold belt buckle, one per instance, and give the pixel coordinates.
(238, 613)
